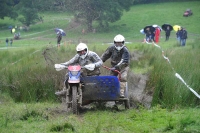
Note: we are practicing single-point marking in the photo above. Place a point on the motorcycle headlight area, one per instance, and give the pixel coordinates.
(74, 73)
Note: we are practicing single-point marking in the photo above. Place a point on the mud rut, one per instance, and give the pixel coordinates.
(137, 86)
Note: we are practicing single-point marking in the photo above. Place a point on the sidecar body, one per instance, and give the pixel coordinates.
(102, 88)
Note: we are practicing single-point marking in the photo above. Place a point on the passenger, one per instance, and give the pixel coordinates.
(119, 55)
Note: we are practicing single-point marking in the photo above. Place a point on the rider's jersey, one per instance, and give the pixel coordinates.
(91, 57)
(118, 58)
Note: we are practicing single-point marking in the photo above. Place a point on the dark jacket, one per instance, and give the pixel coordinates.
(183, 34)
(167, 32)
(178, 33)
(119, 59)
(59, 37)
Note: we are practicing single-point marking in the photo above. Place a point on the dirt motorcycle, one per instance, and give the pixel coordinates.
(83, 90)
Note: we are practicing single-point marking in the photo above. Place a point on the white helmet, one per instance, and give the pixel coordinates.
(119, 38)
(81, 47)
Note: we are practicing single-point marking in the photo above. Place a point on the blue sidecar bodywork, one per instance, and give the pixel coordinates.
(105, 88)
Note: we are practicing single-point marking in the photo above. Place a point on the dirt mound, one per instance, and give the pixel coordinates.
(137, 93)
(137, 84)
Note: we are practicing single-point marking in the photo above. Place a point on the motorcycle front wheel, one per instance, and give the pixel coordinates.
(75, 108)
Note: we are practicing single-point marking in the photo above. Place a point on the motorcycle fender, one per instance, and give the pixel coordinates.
(73, 81)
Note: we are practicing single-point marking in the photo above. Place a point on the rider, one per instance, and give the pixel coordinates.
(119, 55)
(84, 57)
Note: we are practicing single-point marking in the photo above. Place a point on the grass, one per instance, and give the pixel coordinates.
(48, 117)
(27, 68)
(33, 43)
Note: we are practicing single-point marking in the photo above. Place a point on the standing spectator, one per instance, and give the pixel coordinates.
(11, 41)
(119, 57)
(157, 34)
(59, 38)
(7, 42)
(148, 36)
(167, 33)
(153, 35)
(178, 35)
(183, 36)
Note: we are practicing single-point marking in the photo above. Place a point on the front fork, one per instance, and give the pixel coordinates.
(80, 96)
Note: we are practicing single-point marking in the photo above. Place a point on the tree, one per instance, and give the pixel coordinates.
(7, 9)
(50, 5)
(28, 10)
(103, 11)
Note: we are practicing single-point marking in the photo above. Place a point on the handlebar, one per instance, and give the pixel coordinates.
(114, 71)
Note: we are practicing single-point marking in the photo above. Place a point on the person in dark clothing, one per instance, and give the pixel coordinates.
(167, 33)
(148, 36)
(178, 35)
(183, 36)
(153, 36)
(7, 42)
(119, 55)
(59, 38)
(11, 41)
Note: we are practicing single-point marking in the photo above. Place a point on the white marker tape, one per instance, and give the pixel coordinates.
(177, 75)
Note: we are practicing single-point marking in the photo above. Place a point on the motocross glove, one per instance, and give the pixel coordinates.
(90, 67)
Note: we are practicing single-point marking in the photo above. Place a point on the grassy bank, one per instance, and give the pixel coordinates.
(27, 68)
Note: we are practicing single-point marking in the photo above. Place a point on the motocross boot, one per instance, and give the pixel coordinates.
(122, 89)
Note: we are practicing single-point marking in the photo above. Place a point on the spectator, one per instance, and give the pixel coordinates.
(167, 33)
(157, 34)
(7, 42)
(11, 41)
(178, 36)
(183, 36)
(153, 35)
(59, 38)
(148, 36)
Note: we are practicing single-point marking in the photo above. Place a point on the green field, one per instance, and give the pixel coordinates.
(28, 80)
